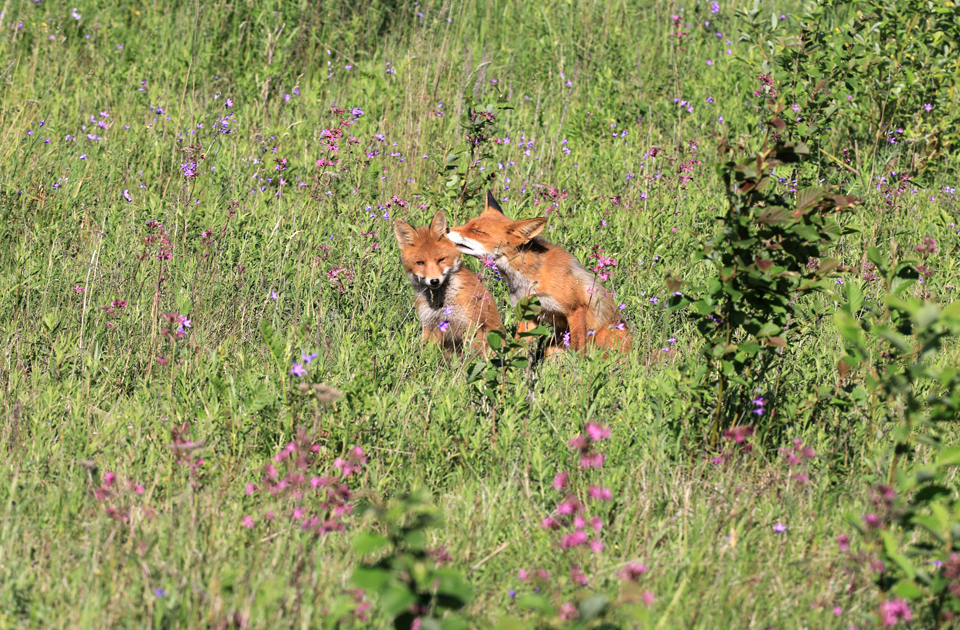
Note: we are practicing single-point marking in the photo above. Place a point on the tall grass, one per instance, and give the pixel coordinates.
(160, 160)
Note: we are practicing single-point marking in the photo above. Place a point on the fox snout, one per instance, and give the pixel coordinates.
(434, 282)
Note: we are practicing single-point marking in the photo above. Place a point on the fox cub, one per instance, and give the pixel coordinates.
(452, 303)
(573, 301)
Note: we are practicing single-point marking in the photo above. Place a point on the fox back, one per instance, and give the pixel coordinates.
(452, 303)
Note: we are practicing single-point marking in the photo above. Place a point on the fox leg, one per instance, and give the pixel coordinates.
(577, 320)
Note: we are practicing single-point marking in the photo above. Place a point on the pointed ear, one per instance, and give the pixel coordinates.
(492, 205)
(528, 229)
(438, 227)
(404, 232)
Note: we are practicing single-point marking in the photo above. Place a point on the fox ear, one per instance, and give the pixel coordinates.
(492, 205)
(404, 232)
(438, 227)
(528, 229)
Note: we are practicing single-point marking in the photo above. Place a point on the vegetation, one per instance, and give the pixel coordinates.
(218, 411)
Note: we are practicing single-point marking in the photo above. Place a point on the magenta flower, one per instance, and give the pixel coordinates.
(597, 432)
(779, 527)
(632, 571)
(895, 611)
(443, 326)
(560, 481)
(843, 541)
(247, 521)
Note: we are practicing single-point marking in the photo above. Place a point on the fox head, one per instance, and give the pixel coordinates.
(492, 233)
(428, 256)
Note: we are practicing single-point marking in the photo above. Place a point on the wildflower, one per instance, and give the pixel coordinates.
(632, 571)
(560, 481)
(871, 520)
(597, 432)
(298, 370)
(928, 107)
(78, 289)
(443, 326)
(159, 592)
(894, 611)
(779, 527)
(648, 598)
(599, 493)
(714, 8)
(247, 521)
(843, 542)
(273, 295)
(307, 358)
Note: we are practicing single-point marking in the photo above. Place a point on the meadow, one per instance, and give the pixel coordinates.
(218, 410)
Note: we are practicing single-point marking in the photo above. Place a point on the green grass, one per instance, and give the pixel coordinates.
(83, 392)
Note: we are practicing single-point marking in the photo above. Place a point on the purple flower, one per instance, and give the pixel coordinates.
(307, 358)
(298, 370)
(714, 8)
(356, 111)
(443, 326)
(126, 195)
(928, 107)
(779, 527)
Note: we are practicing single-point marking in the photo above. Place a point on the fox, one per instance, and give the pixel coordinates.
(453, 305)
(574, 303)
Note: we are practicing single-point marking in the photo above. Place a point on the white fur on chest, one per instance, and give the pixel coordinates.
(449, 311)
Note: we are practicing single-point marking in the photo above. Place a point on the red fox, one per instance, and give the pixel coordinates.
(452, 302)
(573, 301)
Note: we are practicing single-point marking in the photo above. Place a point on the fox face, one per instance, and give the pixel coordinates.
(428, 256)
(493, 234)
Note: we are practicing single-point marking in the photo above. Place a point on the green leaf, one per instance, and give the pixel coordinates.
(890, 549)
(593, 606)
(907, 590)
(873, 253)
(926, 315)
(949, 456)
(368, 542)
(536, 602)
(495, 340)
(370, 578)
(808, 197)
(854, 297)
(396, 598)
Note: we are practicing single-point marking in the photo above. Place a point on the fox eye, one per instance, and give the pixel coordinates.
(476, 231)
(441, 260)
(420, 262)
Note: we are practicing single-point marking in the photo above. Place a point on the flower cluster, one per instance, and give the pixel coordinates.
(315, 503)
(116, 497)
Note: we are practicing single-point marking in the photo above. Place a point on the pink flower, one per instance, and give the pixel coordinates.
(648, 598)
(568, 611)
(560, 481)
(251, 489)
(247, 521)
(895, 611)
(598, 493)
(592, 460)
(574, 539)
(522, 575)
(597, 432)
(632, 571)
(843, 541)
(138, 488)
(549, 523)
(579, 443)
(871, 520)
(597, 546)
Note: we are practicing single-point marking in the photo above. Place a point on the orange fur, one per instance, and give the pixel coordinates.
(445, 291)
(573, 299)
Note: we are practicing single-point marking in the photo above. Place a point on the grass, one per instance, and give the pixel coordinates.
(593, 86)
